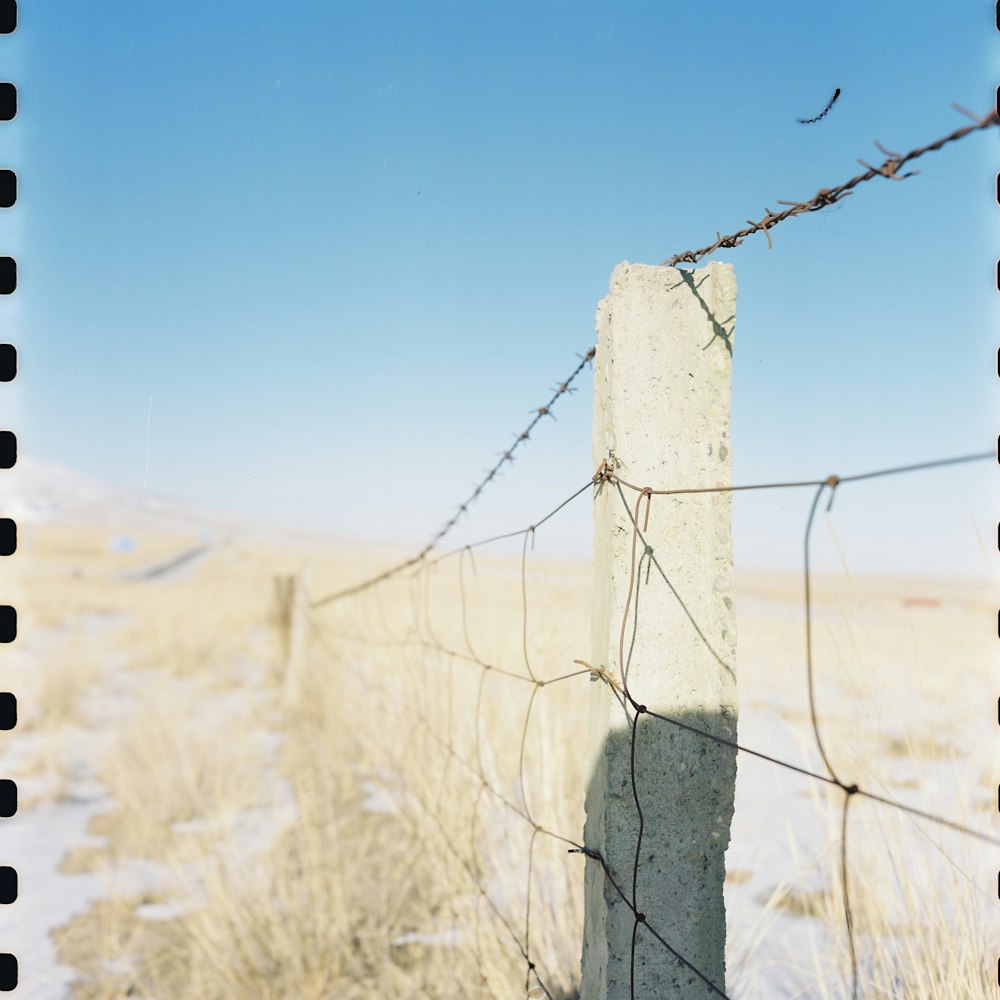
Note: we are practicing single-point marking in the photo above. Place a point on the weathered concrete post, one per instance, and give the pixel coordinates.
(298, 629)
(661, 415)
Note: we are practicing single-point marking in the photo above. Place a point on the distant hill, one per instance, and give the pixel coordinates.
(35, 492)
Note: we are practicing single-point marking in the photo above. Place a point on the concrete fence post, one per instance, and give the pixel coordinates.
(297, 618)
(661, 416)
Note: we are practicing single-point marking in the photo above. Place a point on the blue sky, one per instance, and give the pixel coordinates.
(317, 262)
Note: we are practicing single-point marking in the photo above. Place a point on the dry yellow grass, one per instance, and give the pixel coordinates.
(390, 868)
(917, 900)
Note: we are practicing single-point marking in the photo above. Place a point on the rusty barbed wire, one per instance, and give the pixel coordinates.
(829, 196)
(422, 636)
(822, 199)
(565, 387)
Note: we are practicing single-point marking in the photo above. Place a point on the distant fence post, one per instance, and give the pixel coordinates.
(293, 595)
(661, 415)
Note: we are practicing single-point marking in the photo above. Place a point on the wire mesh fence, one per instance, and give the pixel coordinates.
(493, 710)
(482, 700)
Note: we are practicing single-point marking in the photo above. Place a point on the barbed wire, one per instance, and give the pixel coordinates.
(564, 387)
(423, 637)
(829, 196)
(822, 199)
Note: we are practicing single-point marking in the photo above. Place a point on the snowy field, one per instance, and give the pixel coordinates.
(185, 829)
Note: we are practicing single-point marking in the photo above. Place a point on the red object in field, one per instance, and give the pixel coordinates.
(921, 602)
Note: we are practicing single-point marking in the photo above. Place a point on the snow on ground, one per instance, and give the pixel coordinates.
(775, 809)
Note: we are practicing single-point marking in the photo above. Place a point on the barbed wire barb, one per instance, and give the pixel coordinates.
(965, 111)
